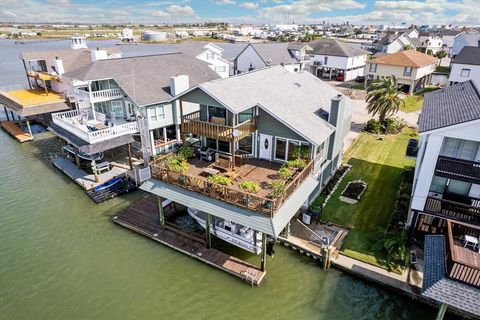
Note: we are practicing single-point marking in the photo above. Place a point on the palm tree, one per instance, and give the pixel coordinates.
(441, 54)
(383, 98)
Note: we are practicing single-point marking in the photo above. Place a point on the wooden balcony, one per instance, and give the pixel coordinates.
(458, 169)
(463, 262)
(191, 123)
(453, 210)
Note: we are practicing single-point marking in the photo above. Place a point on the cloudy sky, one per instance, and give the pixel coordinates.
(457, 12)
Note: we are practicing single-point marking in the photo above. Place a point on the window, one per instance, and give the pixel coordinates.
(246, 144)
(280, 149)
(220, 69)
(117, 108)
(465, 73)
(216, 112)
(461, 149)
(210, 55)
(459, 187)
(407, 71)
(223, 146)
(325, 60)
(292, 147)
(211, 143)
(373, 67)
(152, 114)
(160, 112)
(438, 184)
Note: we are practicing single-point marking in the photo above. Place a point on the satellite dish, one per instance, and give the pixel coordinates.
(236, 133)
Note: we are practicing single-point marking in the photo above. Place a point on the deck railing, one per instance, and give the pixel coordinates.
(228, 194)
(99, 96)
(191, 123)
(459, 169)
(68, 120)
(453, 210)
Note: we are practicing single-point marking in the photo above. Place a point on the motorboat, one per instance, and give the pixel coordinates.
(83, 156)
(231, 232)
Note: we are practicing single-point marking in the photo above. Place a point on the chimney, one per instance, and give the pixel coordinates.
(179, 84)
(337, 119)
(98, 54)
(337, 110)
(59, 66)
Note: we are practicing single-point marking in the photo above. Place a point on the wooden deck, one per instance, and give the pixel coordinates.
(28, 98)
(16, 132)
(83, 179)
(143, 218)
(467, 255)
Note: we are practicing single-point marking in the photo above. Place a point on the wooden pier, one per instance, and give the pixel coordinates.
(13, 129)
(143, 217)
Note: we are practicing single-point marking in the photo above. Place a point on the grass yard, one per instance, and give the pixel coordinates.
(412, 103)
(380, 164)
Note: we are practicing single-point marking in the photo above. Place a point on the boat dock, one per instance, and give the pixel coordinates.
(143, 217)
(13, 129)
(86, 181)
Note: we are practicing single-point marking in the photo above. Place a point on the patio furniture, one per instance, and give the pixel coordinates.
(232, 175)
(103, 167)
(470, 241)
(100, 126)
(206, 154)
(210, 171)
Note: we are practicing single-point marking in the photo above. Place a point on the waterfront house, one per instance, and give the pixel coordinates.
(334, 59)
(247, 127)
(464, 39)
(412, 69)
(292, 56)
(446, 195)
(466, 66)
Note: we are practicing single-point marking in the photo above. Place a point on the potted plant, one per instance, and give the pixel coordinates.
(278, 189)
(285, 173)
(250, 187)
(298, 164)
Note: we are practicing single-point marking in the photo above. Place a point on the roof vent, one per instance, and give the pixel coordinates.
(298, 84)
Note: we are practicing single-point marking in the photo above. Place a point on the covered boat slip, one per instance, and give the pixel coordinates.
(144, 217)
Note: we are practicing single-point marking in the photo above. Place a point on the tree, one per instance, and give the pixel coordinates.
(383, 98)
(407, 47)
(441, 54)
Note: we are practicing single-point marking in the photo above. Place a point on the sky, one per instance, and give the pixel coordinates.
(456, 12)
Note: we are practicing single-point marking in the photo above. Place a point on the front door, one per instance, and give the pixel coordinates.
(266, 146)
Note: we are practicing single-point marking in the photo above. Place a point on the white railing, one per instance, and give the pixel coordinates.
(99, 96)
(68, 120)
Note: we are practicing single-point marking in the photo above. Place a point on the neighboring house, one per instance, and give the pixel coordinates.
(464, 40)
(446, 195)
(396, 41)
(412, 69)
(331, 58)
(251, 124)
(448, 38)
(210, 53)
(466, 66)
(292, 56)
(116, 91)
(430, 41)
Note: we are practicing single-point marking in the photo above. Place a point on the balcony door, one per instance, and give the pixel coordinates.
(266, 146)
(460, 149)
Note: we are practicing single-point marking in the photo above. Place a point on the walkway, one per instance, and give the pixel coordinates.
(12, 128)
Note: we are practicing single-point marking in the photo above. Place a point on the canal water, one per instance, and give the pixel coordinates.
(61, 257)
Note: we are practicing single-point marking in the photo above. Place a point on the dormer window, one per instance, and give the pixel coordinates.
(210, 56)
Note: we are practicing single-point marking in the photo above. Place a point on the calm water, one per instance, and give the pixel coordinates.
(61, 257)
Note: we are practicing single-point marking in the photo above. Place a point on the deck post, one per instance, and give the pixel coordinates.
(177, 128)
(28, 126)
(95, 172)
(441, 311)
(161, 213)
(263, 255)
(26, 73)
(6, 113)
(208, 236)
(130, 155)
(77, 160)
(46, 89)
(13, 117)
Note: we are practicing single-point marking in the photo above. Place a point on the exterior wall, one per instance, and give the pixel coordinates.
(355, 64)
(433, 43)
(216, 62)
(332, 61)
(159, 123)
(455, 73)
(447, 41)
(423, 71)
(295, 67)
(246, 57)
(271, 126)
(397, 71)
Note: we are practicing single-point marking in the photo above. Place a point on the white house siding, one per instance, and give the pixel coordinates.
(456, 73)
(433, 43)
(294, 67)
(217, 64)
(352, 66)
(249, 57)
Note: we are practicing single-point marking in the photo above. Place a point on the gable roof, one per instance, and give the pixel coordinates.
(292, 98)
(333, 47)
(469, 39)
(275, 53)
(146, 79)
(450, 106)
(71, 58)
(406, 58)
(468, 55)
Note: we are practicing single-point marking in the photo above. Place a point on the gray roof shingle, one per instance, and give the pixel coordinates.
(450, 106)
(146, 79)
(332, 47)
(275, 53)
(434, 260)
(468, 55)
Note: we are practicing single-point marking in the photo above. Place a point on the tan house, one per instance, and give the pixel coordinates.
(413, 69)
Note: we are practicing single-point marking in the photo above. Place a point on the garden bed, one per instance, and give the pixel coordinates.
(353, 191)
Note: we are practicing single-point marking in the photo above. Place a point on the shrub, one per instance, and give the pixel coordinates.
(186, 152)
(393, 125)
(301, 152)
(278, 188)
(177, 164)
(297, 163)
(285, 173)
(373, 126)
(249, 186)
(218, 179)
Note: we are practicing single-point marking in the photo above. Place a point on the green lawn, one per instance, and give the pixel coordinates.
(380, 164)
(412, 103)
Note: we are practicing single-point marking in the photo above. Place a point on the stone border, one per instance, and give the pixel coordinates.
(336, 184)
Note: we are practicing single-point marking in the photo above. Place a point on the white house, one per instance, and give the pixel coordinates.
(394, 41)
(430, 41)
(462, 40)
(210, 53)
(333, 59)
(466, 66)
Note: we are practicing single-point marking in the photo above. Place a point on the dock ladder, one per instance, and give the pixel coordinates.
(249, 275)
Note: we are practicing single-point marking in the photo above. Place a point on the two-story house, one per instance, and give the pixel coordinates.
(248, 126)
(292, 56)
(412, 69)
(466, 66)
(394, 41)
(445, 203)
(211, 54)
(430, 42)
(334, 59)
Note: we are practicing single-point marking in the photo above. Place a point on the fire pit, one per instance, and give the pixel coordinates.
(353, 191)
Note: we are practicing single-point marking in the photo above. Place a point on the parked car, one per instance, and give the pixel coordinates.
(340, 77)
(360, 79)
